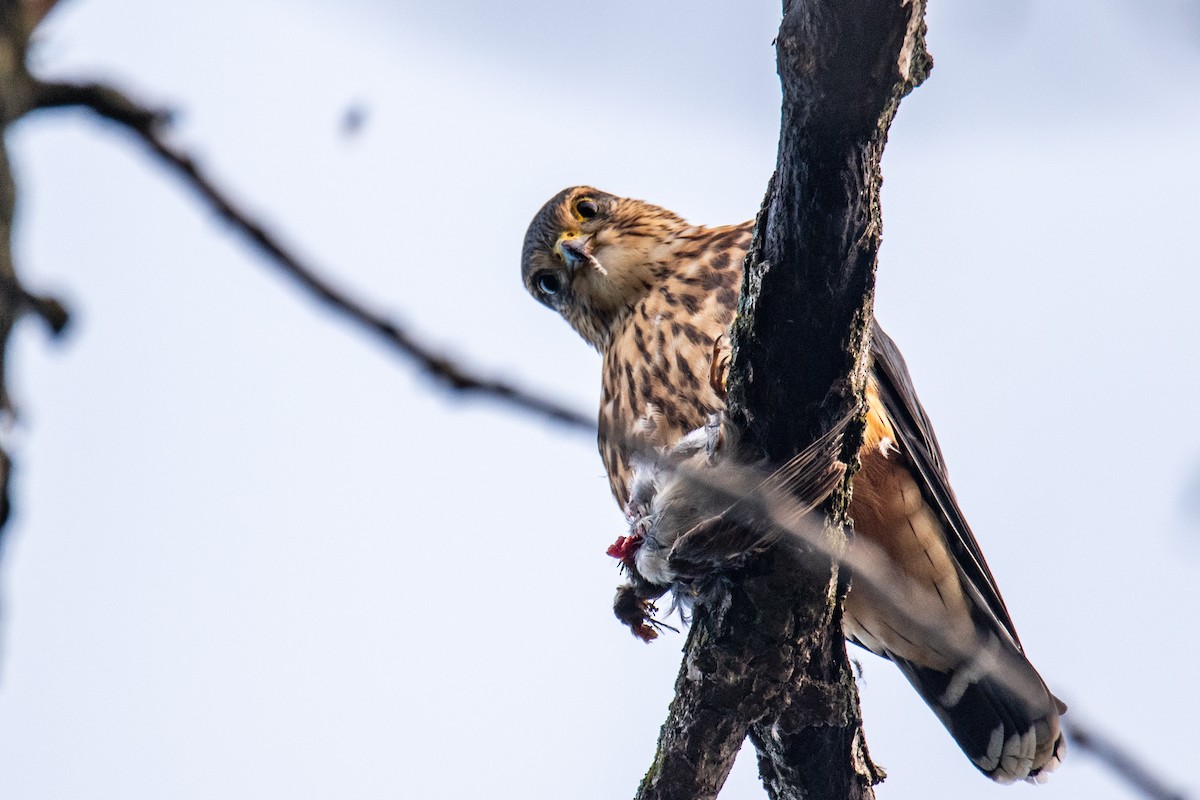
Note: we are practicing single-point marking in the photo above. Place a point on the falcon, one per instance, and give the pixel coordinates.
(655, 296)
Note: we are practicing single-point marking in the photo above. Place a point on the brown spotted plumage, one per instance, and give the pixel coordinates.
(656, 296)
(652, 293)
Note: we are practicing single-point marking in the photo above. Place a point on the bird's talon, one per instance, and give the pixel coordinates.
(718, 368)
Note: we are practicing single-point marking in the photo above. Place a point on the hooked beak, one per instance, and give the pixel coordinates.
(574, 249)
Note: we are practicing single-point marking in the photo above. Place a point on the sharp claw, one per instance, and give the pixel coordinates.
(718, 368)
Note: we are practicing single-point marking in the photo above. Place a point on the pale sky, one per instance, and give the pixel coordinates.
(255, 556)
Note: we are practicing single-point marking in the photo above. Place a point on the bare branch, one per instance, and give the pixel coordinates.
(148, 124)
(1118, 759)
(755, 498)
(34, 11)
(49, 309)
(803, 723)
(16, 23)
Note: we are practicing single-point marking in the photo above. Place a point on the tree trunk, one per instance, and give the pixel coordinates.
(768, 659)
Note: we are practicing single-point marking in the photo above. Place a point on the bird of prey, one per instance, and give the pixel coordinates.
(656, 296)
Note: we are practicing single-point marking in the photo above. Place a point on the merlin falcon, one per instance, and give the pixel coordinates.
(656, 296)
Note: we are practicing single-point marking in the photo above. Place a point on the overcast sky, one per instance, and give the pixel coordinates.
(254, 556)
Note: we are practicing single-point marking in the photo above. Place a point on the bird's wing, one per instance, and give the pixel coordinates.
(918, 443)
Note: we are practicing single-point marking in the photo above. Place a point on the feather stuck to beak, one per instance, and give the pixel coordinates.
(575, 250)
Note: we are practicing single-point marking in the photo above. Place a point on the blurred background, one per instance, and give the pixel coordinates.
(254, 555)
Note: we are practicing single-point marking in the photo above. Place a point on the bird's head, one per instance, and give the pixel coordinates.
(591, 256)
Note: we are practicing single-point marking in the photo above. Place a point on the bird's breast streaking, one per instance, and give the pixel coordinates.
(656, 296)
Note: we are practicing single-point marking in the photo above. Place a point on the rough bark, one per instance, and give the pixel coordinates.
(767, 659)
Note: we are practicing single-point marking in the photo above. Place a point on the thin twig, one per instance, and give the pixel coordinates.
(1118, 759)
(34, 11)
(148, 125)
(49, 309)
(750, 490)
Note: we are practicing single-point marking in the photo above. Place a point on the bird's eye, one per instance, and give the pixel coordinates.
(586, 209)
(548, 284)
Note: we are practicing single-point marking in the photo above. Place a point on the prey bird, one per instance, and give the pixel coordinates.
(656, 296)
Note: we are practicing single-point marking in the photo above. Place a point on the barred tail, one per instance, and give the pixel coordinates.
(999, 711)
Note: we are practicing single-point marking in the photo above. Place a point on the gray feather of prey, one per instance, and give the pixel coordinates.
(701, 507)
